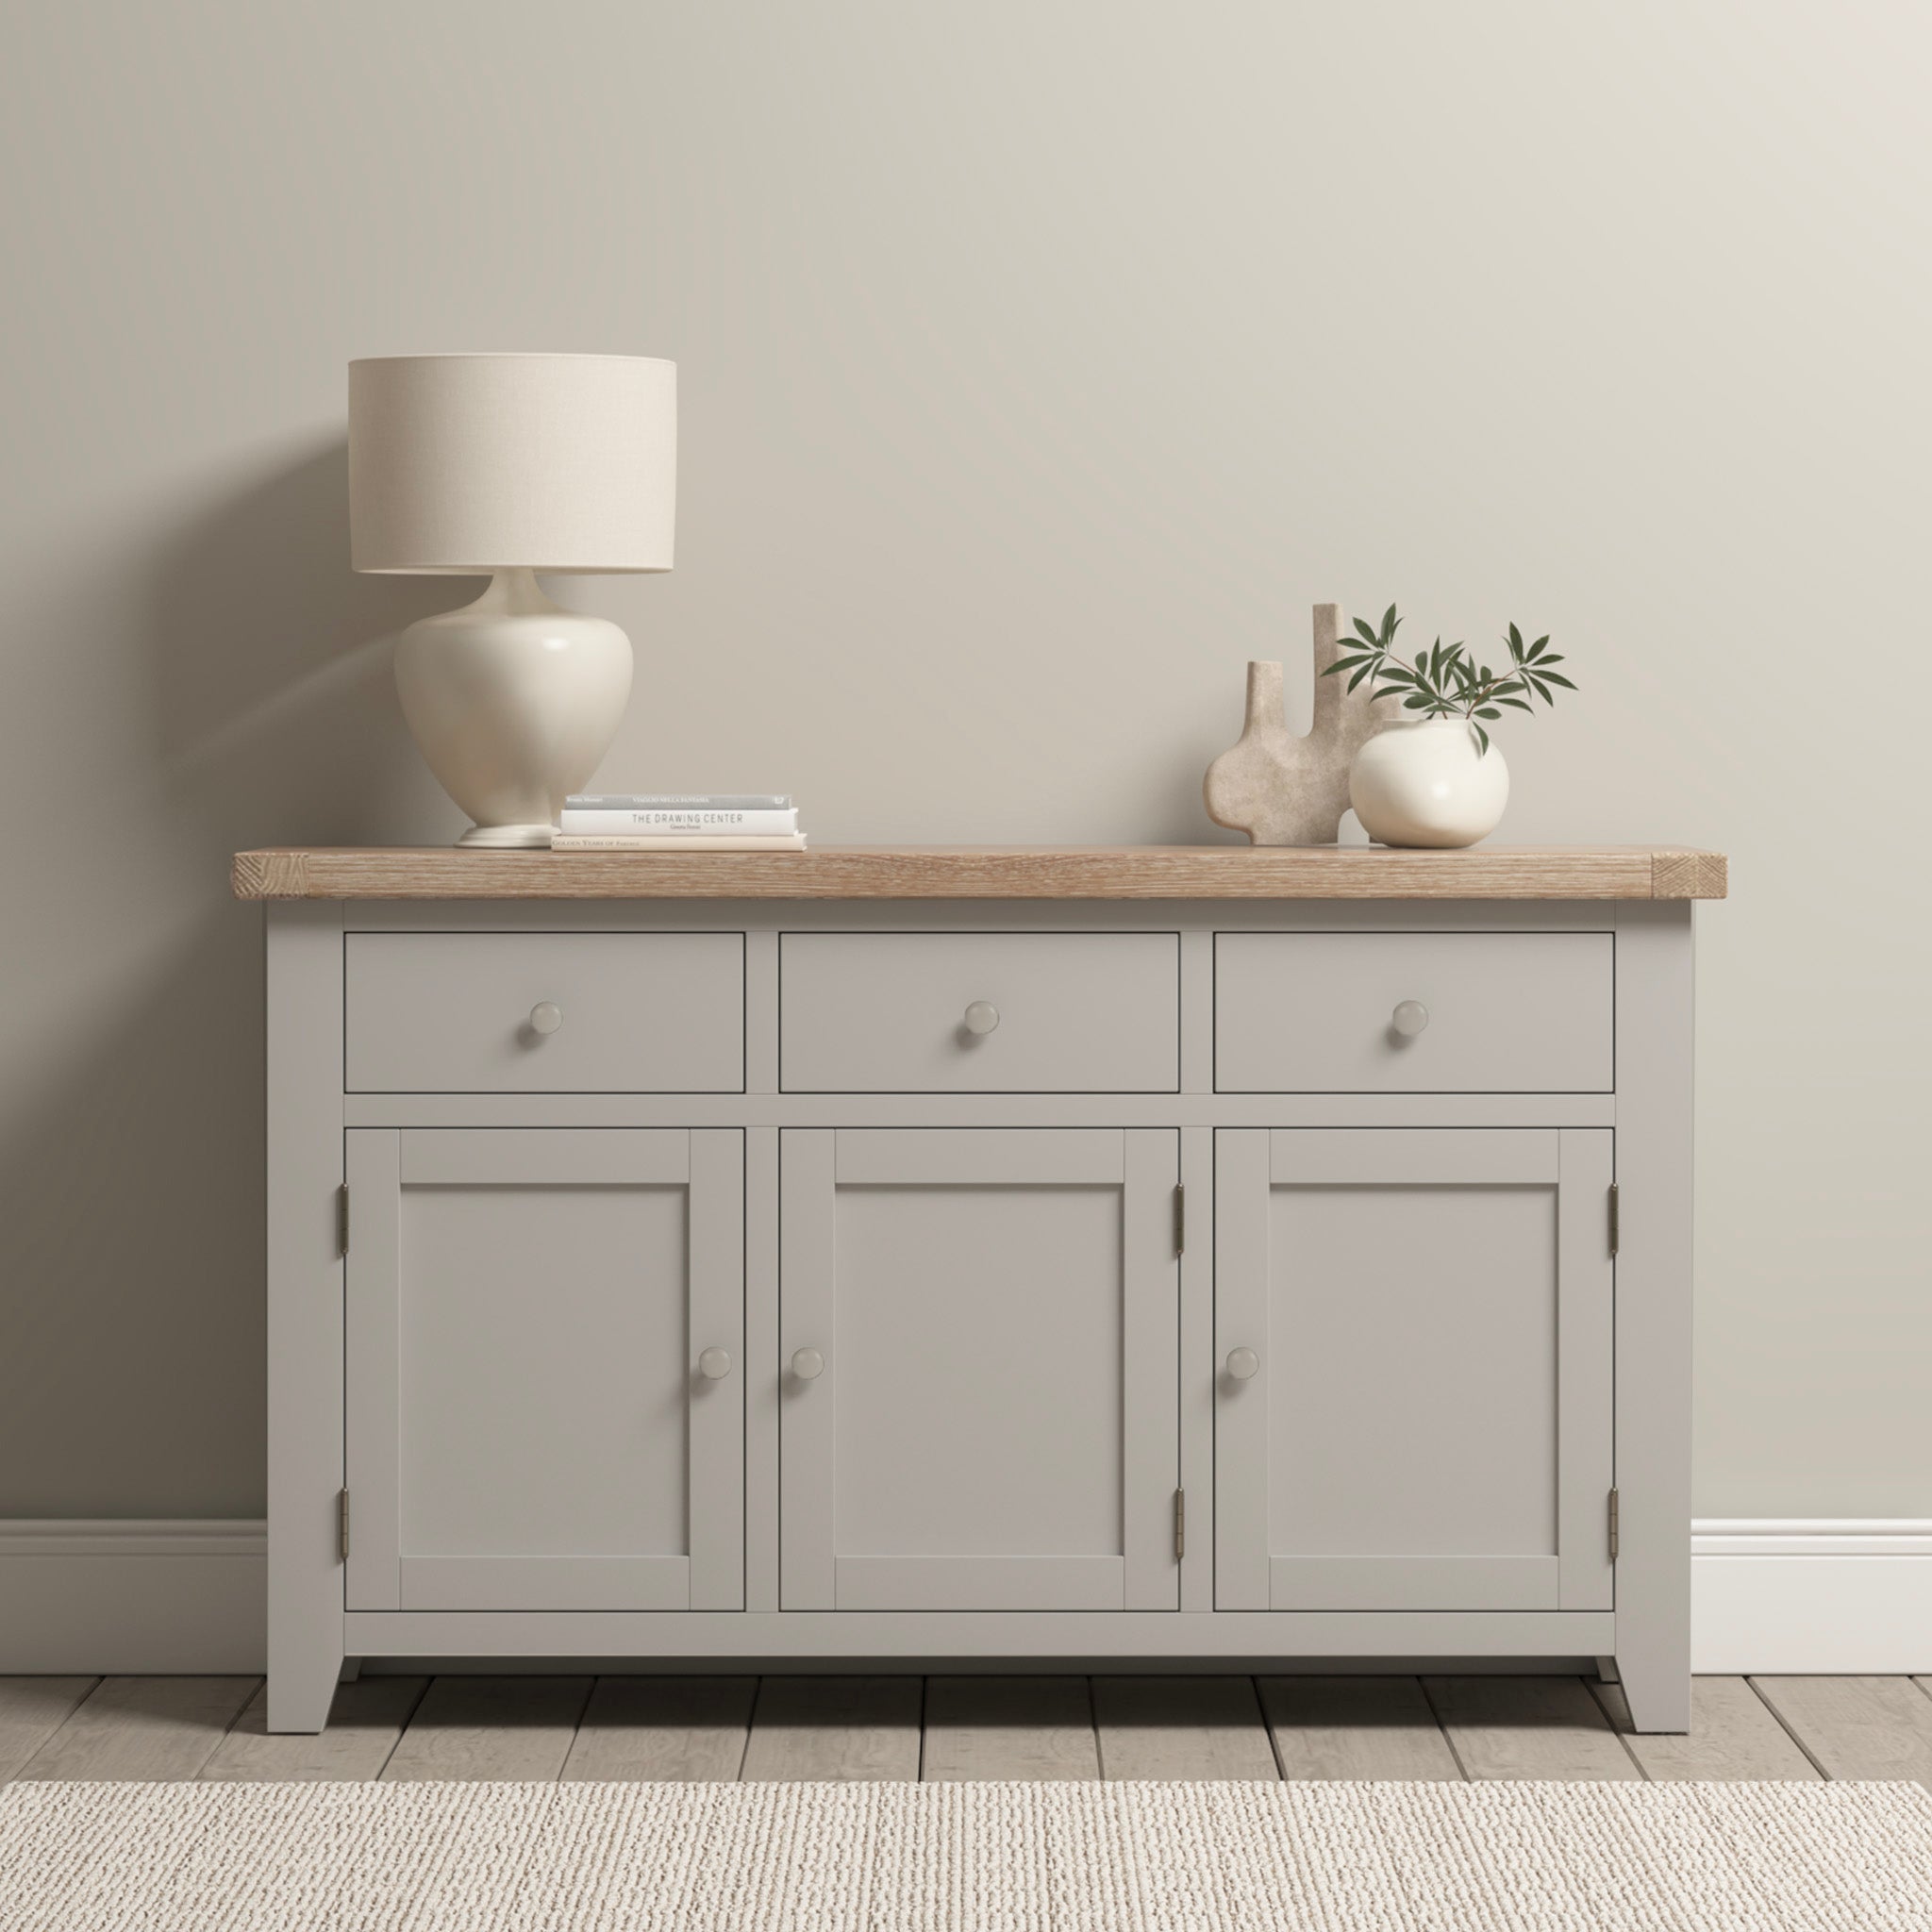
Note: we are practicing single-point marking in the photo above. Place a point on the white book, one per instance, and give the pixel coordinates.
(618, 842)
(682, 801)
(661, 821)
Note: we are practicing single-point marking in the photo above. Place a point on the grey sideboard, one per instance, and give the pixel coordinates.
(915, 1256)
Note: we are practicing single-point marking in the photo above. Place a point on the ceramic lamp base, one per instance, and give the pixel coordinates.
(508, 837)
(513, 702)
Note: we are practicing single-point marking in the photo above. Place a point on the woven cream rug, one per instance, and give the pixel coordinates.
(967, 1858)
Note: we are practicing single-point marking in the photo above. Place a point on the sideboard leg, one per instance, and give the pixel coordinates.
(1656, 1686)
(302, 1687)
(305, 1313)
(1655, 1054)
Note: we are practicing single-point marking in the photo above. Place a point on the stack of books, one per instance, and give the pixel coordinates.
(678, 821)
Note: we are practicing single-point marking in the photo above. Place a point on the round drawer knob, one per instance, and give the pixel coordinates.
(982, 1016)
(808, 1364)
(1242, 1363)
(545, 1018)
(714, 1364)
(1409, 1018)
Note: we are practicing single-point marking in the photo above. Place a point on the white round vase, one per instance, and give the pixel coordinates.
(513, 702)
(1425, 783)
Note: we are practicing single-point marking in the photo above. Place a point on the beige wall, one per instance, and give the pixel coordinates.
(1042, 363)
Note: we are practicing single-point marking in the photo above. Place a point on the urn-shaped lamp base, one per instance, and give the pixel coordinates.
(513, 702)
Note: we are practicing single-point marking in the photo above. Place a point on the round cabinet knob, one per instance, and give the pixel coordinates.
(1409, 1018)
(545, 1018)
(807, 1365)
(714, 1364)
(1242, 1363)
(982, 1016)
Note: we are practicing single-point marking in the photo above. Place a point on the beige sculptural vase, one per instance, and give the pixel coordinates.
(1282, 789)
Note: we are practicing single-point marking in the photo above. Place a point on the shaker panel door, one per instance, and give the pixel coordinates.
(978, 1367)
(529, 1425)
(1413, 1365)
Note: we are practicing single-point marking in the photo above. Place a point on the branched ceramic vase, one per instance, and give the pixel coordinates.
(1281, 790)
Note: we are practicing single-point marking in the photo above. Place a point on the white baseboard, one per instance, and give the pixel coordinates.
(1842, 1595)
(1838, 1596)
(99, 1597)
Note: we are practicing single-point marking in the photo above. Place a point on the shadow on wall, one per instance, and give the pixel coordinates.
(272, 659)
(131, 1378)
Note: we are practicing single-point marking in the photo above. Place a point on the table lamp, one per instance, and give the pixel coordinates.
(502, 466)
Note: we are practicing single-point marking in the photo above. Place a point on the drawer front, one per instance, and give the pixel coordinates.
(468, 1012)
(1069, 1012)
(1519, 1012)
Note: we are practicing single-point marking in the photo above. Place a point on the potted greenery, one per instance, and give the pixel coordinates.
(1435, 778)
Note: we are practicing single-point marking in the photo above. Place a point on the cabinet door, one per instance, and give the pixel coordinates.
(989, 1413)
(1413, 1366)
(529, 1426)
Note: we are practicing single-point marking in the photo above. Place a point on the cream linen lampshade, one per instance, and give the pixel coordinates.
(504, 466)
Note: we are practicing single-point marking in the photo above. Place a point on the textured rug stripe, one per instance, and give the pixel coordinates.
(965, 1857)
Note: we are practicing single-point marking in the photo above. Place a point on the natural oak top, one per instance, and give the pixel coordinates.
(987, 871)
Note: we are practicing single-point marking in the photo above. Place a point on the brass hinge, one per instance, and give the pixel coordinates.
(342, 1219)
(1613, 1525)
(1180, 1221)
(342, 1526)
(1614, 1221)
(1180, 1525)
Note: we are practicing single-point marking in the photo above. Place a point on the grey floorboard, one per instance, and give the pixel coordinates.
(468, 1728)
(365, 1724)
(663, 1730)
(1356, 1728)
(1529, 1727)
(154, 1728)
(31, 1710)
(840, 1728)
(1181, 1727)
(1019, 1727)
(1733, 1737)
(1039, 1729)
(1859, 1727)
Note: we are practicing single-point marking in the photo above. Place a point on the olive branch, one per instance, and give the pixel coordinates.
(1447, 682)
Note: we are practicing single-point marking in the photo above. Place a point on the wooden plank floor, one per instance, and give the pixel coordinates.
(642, 1728)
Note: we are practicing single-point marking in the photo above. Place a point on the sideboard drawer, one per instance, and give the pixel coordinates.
(1519, 1012)
(486, 1012)
(1061, 1012)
